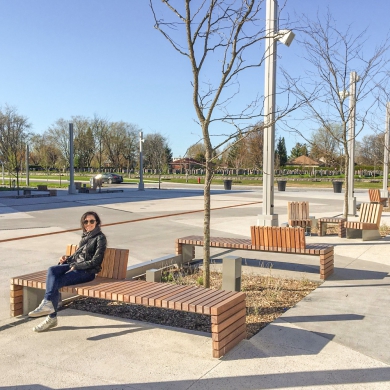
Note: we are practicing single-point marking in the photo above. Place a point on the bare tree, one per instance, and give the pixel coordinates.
(99, 129)
(130, 146)
(114, 142)
(220, 39)
(13, 138)
(332, 55)
(155, 153)
(324, 146)
(59, 135)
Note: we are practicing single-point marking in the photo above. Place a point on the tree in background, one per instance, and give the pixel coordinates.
(168, 156)
(281, 152)
(114, 143)
(14, 135)
(58, 133)
(155, 153)
(130, 147)
(44, 152)
(332, 54)
(84, 142)
(99, 129)
(324, 146)
(299, 150)
(370, 151)
(197, 152)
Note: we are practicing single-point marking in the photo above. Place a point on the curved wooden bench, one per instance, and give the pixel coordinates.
(227, 309)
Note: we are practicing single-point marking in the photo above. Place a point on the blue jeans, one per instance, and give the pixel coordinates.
(58, 276)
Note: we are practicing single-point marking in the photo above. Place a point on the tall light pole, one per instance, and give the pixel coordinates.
(385, 190)
(353, 79)
(27, 166)
(141, 162)
(71, 188)
(268, 218)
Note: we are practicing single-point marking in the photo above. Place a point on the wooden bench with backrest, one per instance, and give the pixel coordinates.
(367, 228)
(227, 309)
(298, 215)
(266, 239)
(375, 197)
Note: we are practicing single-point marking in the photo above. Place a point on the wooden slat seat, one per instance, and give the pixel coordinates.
(227, 309)
(267, 239)
(298, 214)
(367, 228)
(375, 197)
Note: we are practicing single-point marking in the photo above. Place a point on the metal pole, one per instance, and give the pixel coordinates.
(141, 165)
(354, 78)
(71, 188)
(268, 218)
(27, 167)
(2, 171)
(385, 190)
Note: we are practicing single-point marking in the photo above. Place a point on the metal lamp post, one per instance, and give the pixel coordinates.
(354, 78)
(71, 188)
(385, 190)
(27, 166)
(141, 162)
(268, 218)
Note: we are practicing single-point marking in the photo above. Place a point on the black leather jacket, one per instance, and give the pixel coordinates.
(95, 248)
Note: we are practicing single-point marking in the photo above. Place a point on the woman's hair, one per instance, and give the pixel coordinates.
(97, 218)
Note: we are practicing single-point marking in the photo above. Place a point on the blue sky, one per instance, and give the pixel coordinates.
(62, 58)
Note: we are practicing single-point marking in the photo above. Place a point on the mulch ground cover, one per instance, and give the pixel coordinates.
(267, 298)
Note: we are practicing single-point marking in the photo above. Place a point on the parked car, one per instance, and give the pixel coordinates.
(110, 178)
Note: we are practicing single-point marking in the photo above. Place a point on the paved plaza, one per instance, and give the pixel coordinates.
(335, 338)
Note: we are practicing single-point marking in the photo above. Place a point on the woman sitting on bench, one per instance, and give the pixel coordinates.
(81, 267)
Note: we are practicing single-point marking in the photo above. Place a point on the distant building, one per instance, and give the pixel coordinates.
(304, 161)
(184, 164)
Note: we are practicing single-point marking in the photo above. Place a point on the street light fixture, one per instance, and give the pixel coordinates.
(268, 218)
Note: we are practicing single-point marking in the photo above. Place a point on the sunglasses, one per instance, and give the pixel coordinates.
(91, 221)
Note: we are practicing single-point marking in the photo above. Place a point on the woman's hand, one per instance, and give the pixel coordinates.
(63, 259)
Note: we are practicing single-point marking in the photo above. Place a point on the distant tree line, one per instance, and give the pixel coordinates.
(100, 144)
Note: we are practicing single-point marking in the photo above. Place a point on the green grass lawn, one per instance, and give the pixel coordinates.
(293, 181)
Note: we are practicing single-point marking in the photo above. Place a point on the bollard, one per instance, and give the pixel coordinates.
(153, 275)
(231, 273)
(198, 180)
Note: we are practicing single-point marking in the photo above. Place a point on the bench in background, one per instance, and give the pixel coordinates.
(375, 197)
(298, 215)
(265, 239)
(367, 228)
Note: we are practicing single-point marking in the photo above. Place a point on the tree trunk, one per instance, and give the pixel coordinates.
(206, 224)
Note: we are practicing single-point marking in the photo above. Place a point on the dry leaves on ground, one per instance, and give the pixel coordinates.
(267, 298)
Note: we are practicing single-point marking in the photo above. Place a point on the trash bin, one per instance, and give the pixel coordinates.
(337, 186)
(282, 185)
(227, 184)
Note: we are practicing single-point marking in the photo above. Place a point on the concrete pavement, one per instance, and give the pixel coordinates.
(336, 338)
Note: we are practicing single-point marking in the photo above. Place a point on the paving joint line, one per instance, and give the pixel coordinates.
(132, 221)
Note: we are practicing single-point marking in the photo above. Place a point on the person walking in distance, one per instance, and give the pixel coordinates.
(81, 267)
